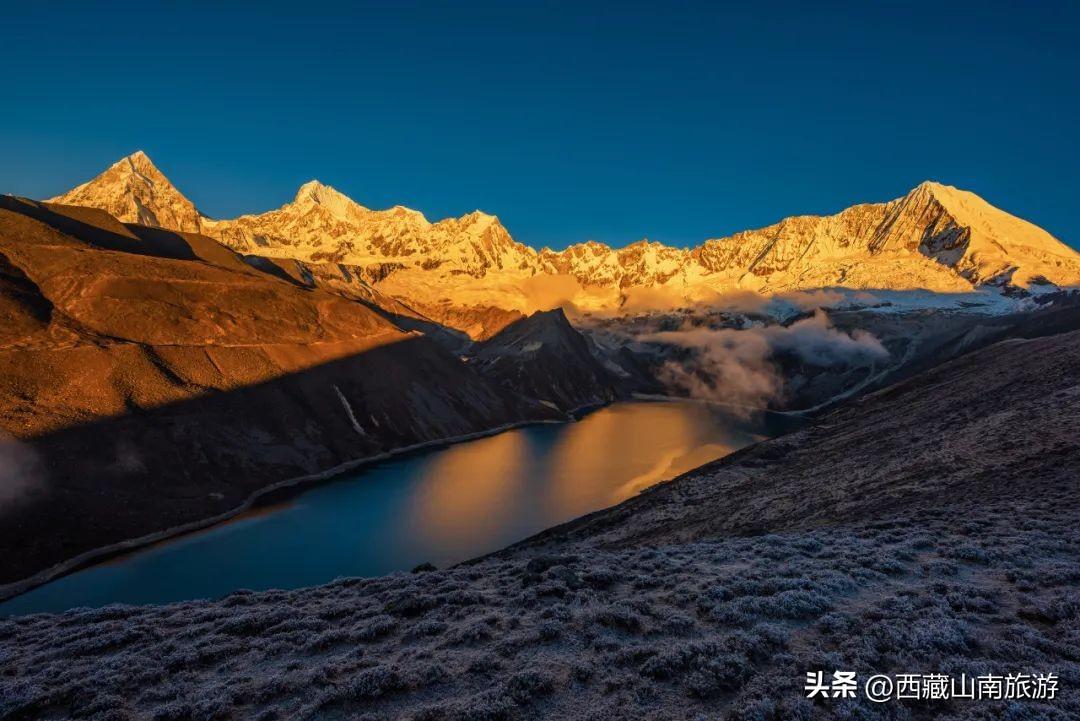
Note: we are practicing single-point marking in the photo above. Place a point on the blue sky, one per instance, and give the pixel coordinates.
(672, 121)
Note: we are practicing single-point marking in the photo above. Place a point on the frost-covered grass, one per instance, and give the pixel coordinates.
(705, 629)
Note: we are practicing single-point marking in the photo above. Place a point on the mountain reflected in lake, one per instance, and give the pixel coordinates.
(441, 506)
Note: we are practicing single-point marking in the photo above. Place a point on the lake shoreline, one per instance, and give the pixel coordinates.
(283, 492)
(296, 484)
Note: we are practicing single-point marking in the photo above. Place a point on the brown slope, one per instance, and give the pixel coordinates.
(160, 380)
(350, 282)
(148, 290)
(24, 311)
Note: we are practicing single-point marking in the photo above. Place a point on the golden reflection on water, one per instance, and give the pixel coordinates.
(622, 450)
(445, 506)
(467, 488)
(674, 463)
(472, 490)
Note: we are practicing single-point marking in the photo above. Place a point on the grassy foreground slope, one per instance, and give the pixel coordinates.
(928, 528)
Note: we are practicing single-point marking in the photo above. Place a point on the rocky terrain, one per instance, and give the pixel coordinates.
(930, 527)
(133, 190)
(547, 359)
(152, 379)
(464, 271)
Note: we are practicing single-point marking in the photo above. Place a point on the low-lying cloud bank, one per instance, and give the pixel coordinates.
(547, 291)
(739, 367)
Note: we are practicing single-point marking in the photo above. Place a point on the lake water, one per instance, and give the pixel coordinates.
(441, 506)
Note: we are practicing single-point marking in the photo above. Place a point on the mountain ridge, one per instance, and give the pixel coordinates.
(935, 237)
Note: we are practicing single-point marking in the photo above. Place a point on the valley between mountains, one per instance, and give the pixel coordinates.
(161, 370)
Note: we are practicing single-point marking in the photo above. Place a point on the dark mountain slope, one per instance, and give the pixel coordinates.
(158, 380)
(922, 340)
(545, 358)
(928, 528)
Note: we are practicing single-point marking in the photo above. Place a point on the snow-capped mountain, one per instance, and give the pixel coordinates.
(133, 190)
(321, 224)
(936, 238)
(936, 234)
(644, 263)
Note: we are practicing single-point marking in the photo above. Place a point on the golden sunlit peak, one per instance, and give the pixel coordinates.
(138, 161)
(317, 193)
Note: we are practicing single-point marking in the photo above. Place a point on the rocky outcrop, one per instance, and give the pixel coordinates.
(545, 358)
